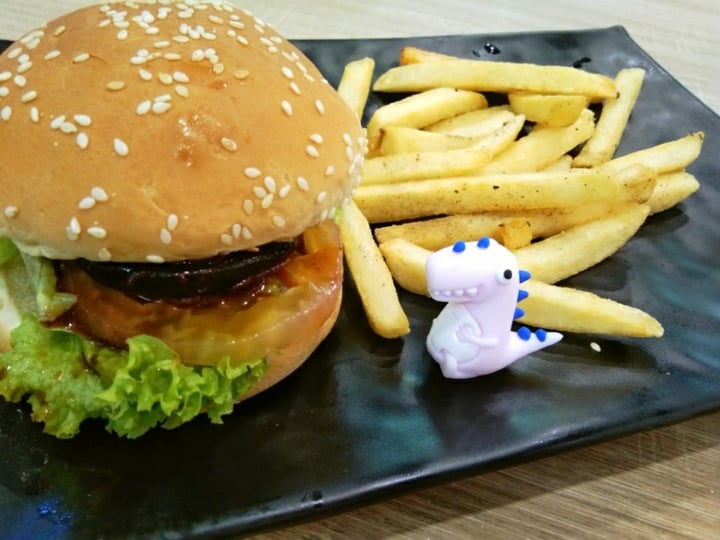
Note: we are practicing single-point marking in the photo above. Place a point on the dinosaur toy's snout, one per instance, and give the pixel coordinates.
(473, 334)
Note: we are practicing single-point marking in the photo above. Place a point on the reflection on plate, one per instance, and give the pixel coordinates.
(366, 417)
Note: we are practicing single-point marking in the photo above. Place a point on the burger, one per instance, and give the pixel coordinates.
(171, 176)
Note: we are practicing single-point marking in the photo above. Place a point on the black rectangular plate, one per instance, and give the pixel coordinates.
(368, 417)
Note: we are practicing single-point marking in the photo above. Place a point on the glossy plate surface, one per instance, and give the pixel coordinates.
(366, 417)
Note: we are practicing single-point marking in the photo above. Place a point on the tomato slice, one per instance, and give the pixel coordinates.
(301, 294)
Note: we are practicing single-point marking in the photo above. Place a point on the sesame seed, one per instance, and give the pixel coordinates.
(270, 184)
(265, 41)
(99, 194)
(121, 149)
(4, 91)
(248, 206)
(237, 24)
(295, 88)
(236, 230)
(82, 57)
(144, 107)
(259, 192)
(243, 40)
(312, 151)
(11, 211)
(218, 69)
(83, 119)
(330, 170)
(145, 75)
(229, 144)
(86, 203)
(165, 78)
(152, 31)
(252, 172)
(324, 214)
(181, 39)
(347, 139)
(267, 201)
(27, 97)
(75, 226)
(259, 29)
(247, 233)
(68, 127)
(287, 72)
(320, 106)
(161, 44)
(172, 56)
(122, 34)
(115, 85)
(226, 239)
(82, 140)
(25, 66)
(57, 122)
(160, 107)
(6, 113)
(181, 77)
(321, 197)
(349, 153)
(316, 138)
(241, 74)
(197, 55)
(595, 346)
(182, 91)
(301, 67)
(14, 53)
(165, 236)
(285, 191)
(34, 115)
(278, 221)
(97, 232)
(287, 107)
(104, 254)
(52, 55)
(172, 222)
(303, 183)
(20, 81)
(138, 60)
(154, 259)
(216, 20)
(59, 30)
(5, 76)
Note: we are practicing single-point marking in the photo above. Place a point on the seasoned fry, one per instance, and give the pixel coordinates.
(406, 262)
(354, 85)
(577, 249)
(476, 123)
(405, 140)
(372, 278)
(542, 146)
(413, 55)
(613, 119)
(425, 108)
(666, 157)
(486, 76)
(515, 233)
(671, 189)
(422, 198)
(571, 310)
(420, 165)
(548, 110)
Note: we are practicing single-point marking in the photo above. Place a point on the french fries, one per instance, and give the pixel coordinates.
(354, 85)
(449, 167)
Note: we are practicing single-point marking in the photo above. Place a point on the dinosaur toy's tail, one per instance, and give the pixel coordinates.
(525, 341)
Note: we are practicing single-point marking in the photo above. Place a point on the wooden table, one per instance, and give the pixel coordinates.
(661, 483)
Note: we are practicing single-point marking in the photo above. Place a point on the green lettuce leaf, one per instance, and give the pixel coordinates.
(7, 250)
(50, 302)
(68, 379)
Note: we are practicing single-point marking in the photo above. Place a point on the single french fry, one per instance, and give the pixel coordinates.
(514, 233)
(423, 109)
(500, 139)
(354, 85)
(670, 156)
(405, 140)
(548, 110)
(420, 165)
(371, 276)
(487, 76)
(542, 146)
(671, 189)
(413, 55)
(477, 123)
(572, 310)
(636, 182)
(562, 164)
(406, 262)
(612, 121)
(570, 252)
(470, 194)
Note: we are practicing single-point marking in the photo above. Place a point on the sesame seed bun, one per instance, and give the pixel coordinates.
(163, 132)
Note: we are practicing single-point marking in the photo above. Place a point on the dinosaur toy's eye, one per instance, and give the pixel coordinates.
(505, 276)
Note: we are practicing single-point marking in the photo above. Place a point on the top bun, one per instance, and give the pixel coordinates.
(165, 131)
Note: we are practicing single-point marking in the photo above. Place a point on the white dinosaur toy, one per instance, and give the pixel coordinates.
(473, 334)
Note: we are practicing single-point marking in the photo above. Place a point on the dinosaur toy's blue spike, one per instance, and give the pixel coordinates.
(524, 333)
(483, 243)
(518, 313)
(541, 334)
(522, 295)
(459, 246)
(524, 276)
